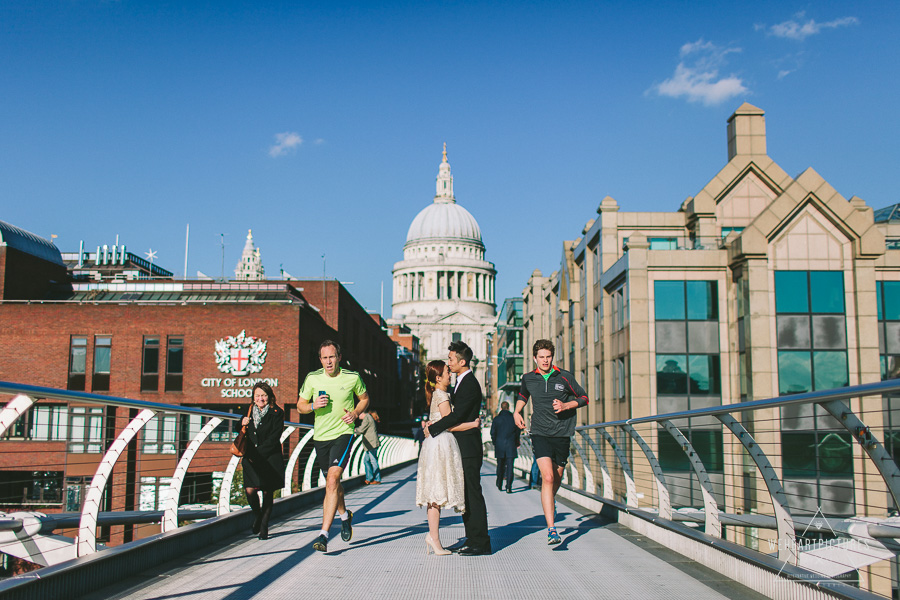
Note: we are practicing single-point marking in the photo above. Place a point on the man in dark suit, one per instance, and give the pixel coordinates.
(505, 435)
(466, 399)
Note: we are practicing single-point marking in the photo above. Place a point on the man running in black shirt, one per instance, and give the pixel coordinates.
(554, 395)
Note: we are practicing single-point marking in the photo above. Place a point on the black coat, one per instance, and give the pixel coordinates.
(505, 435)
(466, 403)
(263, 462)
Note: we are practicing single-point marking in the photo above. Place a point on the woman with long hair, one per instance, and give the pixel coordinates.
(440, 480)
(263, 462)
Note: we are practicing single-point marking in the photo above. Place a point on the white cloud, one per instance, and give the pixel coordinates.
(798, 29)
(284, 143)
(696, 77)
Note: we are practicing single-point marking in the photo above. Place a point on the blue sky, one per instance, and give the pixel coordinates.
(320, 125)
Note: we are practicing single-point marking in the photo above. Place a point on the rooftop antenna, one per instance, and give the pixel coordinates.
(151, 256)
(223, 256)
(187, 237)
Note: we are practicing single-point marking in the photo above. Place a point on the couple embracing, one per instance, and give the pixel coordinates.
(449, 472)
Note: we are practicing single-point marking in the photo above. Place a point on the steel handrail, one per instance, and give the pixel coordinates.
(887, 387)
(8, 387)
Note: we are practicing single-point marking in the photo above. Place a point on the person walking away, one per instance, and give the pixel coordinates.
(440, 482)
(505, 436)
(466, 401)
(554, 396)
(368, 429)
(329, 393)
(263, 462)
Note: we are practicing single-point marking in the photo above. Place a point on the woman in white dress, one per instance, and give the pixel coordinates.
(440, 480)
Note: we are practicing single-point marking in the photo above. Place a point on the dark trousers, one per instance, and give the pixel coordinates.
(475, 517)
(505, 471)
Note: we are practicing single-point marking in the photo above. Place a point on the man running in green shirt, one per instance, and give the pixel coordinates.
(329, 393)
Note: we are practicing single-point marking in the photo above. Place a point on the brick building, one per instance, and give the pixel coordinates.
(192, 343)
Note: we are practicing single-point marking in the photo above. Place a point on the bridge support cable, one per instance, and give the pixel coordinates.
(712, 525)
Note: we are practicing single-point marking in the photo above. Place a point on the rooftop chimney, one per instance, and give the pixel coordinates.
(747, 131)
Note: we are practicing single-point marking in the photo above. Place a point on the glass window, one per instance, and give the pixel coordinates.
(596, 324)
(702, 301)
(50, 423)
(709, 447)
(150, 364)
(669, 300)
(102, 355)
(671, 455)
(798, 451)
(891, 301)
(663, 244)
(77, 362)
(154, 492)
(791, 292)
(85, 430)
(159, 435)
(174, 364)
(830, 369)
(794, 372)
(826, 291)
(671, 374)
(704, 374)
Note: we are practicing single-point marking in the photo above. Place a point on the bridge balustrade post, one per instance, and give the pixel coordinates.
(604, 470)
(589, 484)
(292, 461)
(87, 529)
(710, 506)
(662, 490)
(787, 547)
(631, 498)
(170, 518)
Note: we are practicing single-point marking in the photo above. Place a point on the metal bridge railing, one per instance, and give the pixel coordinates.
(809, 480)
(47, 432)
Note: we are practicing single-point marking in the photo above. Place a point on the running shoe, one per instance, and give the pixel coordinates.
(321, 544)
(553, 537)
(347, 527)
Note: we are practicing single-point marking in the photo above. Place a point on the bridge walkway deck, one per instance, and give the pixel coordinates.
(386, 558)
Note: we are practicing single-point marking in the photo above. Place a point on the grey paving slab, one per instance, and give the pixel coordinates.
(386, 558)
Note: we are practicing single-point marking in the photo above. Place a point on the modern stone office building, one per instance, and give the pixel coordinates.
(761, 284)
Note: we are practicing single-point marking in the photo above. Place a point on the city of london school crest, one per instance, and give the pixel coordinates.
(241, 354)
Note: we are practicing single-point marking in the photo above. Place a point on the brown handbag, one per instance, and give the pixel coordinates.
(239, 445)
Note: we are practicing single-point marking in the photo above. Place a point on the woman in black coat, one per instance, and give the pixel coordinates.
(263, 462)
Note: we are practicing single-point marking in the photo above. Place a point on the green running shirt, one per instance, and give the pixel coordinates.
(340, 389)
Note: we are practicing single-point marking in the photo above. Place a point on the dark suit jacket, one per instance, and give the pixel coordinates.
(505, 435)
(466, 406)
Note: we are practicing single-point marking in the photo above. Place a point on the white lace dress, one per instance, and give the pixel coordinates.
(440, 479)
